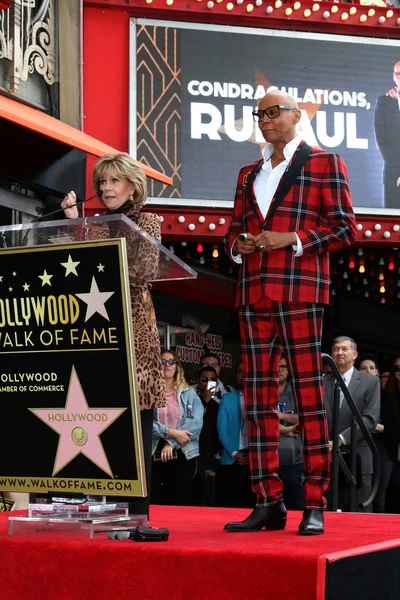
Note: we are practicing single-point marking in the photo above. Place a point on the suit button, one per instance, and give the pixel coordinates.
(266, 227)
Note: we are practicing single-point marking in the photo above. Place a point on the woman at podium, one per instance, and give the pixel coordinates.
(123, 187)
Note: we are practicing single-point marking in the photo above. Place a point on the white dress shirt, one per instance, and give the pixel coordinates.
(267, 181)
(346, 378)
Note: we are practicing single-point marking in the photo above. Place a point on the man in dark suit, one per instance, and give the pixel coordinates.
(387, 133)
(365, 391)
(282, 289)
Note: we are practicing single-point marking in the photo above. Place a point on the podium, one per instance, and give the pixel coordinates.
(70, 416)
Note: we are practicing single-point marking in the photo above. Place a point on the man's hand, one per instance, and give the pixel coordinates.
(292, 419)
(272, 240)
(340, 443)
(380, 428)
(392, 93)
(246, 247)
(242, 458)
(166, 453)
(289, 430)
(211, 474)
(398, 181)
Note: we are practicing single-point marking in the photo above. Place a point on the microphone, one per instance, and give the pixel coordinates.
(97, 194)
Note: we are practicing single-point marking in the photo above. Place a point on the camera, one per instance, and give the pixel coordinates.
(242, 237)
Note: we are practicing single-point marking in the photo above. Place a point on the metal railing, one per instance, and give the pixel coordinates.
(337, 455)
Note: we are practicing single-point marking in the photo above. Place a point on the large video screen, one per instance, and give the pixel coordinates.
(195, 86)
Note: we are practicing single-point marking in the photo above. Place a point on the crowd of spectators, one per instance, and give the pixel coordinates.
(200, 439)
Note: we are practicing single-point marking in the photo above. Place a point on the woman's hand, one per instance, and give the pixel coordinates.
(166, 453)
(180, 435)
(70, 200)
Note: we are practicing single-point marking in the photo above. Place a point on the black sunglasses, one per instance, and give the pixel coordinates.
(205, 379)
(396, 368)
(169, 361)
(272, 112)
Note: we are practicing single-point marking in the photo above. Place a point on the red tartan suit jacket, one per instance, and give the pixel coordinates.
(318, 208)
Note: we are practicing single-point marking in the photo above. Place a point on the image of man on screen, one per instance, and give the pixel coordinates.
(387, 132)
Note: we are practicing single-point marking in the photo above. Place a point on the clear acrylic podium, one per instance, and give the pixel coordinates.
(145, 260)
(148, 260)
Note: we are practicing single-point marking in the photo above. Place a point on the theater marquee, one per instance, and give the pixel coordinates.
(69, 417)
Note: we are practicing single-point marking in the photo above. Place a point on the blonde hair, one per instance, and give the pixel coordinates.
(179, 377)
(125, 168)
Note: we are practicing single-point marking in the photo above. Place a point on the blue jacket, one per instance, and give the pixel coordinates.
(229, 423)
(191, 419)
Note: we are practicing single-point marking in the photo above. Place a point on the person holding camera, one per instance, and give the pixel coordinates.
(176, 431)
(210, 445)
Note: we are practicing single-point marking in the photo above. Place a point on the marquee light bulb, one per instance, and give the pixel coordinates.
(278, 4)
(315, 7)
(269, 10)
(381, 20)
(371, 12)
(288, 12)
(249, 8)
(307, 13)
(389, 14)
(363, 18)
(297, 5)
(334, 9)
(229, 6)
(353, 10)
(361, 269)
(344, 16)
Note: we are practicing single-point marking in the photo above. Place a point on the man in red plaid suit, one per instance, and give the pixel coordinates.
(294, 208)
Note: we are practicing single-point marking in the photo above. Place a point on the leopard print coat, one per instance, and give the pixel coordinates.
(149, 372)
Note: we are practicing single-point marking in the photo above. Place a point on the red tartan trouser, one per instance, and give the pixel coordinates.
(269, 329)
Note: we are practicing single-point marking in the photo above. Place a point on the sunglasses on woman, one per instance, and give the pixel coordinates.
(168, 361)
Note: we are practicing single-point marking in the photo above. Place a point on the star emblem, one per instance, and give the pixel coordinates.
(100, 268)
(79, 427)
(10, 289)
(1, 278)
(26, 287)
(14, 274)
(70, 266)
(95, 301)
(45, 278)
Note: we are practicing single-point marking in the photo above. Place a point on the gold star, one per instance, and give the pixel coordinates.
(14, 274)
(70, 266)
(26, 287)
(10, 289)
(45, 278)
(100, 268)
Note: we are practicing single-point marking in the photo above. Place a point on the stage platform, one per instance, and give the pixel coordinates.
(357, 558)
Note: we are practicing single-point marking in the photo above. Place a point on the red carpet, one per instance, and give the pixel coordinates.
(200, 561)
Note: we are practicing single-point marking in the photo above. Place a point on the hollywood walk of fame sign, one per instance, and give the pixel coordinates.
(69, 414)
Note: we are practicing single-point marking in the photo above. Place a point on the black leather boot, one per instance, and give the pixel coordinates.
(312, 522)
(271, 517)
